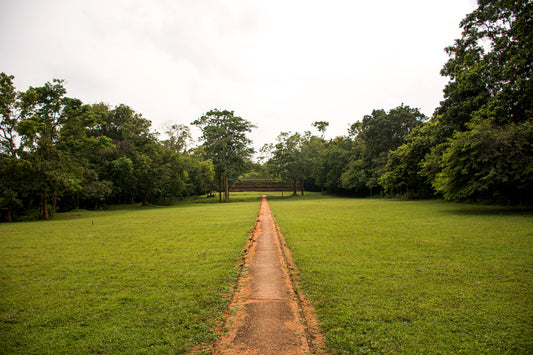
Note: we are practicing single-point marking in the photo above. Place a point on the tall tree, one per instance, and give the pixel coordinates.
(9, 121)
(495, 49)
(465, 152)
(78, 121)
(225, 143)
(39, 128)
(179, 137)
(314, 150)
(337, 156)
(11, 167)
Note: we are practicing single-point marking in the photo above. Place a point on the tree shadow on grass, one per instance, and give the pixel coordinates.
(492, 210)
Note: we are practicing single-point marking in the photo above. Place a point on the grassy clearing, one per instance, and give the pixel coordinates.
(426, 277)
(152, 280)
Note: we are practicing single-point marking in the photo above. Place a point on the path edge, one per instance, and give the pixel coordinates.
(308, 318)
(236, 295)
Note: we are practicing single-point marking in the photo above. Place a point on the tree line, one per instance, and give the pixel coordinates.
(58, 153)
(477, 146)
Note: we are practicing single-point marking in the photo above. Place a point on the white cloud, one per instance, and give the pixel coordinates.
(280, 64)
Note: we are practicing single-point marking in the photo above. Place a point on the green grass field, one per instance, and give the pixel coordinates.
(385, 276)
(425, 277)
(153, 280)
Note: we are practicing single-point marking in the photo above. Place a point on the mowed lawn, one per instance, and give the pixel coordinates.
(150, 280)
(425, 277)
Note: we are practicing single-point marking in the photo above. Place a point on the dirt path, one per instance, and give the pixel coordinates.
(267, 316)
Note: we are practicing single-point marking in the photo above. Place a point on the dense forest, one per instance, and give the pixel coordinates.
(58, 153)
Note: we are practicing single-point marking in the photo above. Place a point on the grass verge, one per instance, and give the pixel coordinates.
(150, 280)
(433, 277)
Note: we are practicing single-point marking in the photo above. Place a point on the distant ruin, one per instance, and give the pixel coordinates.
(262, 185)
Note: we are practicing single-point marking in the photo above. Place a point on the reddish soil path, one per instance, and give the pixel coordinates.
(266, 315)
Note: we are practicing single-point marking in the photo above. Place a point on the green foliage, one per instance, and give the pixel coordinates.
(226, 145)
(490, 65)
(314, 150)
(489, 163)
(93, 189)
(375, 136)
(410, 277)
(57, 153)
(483, 162)
(403, 172)
(468, 153)
(11, 169)
(307, 161)
(337, 156)
(179, 137)
(8, 122)
(500, 33)
(352, 164)
(39, 128)
(382, 132)
(288, 161)
(200, 174)
(321, 126)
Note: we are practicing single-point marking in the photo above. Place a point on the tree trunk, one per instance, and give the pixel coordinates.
(54, 200)
(294, 187)
(226, 189)
(45, 206)
(10, 212)
(145, 200)
(220, 189)
(225, 173)
(302, 188)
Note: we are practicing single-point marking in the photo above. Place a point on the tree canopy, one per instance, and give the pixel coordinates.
(477, 146)
(226, 145)
(57, 153)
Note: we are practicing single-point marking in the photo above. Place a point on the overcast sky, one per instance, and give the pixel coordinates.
(280, 64)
